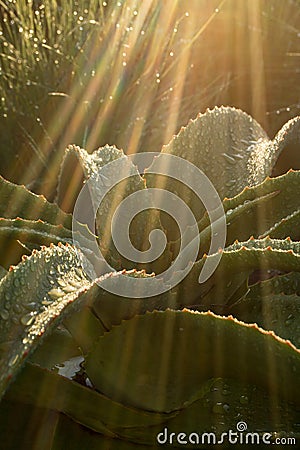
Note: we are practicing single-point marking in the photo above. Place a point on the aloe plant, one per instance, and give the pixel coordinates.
(92, 369)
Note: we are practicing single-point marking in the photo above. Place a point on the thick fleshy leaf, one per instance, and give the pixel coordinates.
(237, 262)
(37, 295)
(84, 326)
(112, 310)
(230, 148)
(219, 406)
(274, 305)
(95, 167)
(26, 426)
(47, 389)
(284, 185)
(270, 208)
(279, 313)
(37, 232)
(288, 226)
(69, 434)
(222, 142)
(55, 349)
(17, 201)
(169, 354)
(102, 309)
(77, 166)
(287, 284)
(27, 306)
(34, 231)
(27, 218)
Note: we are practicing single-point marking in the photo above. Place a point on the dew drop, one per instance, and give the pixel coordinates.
(30, 306)
(218, 408)
(79, 272)
(75, 283)
(13, 360)
(62, 283)
(4, 314)
(46, 302)
(17, 308)
(244, 400)
(16, 282)
(289, 321)
(56, 293)
(226, 392)
(88, 383)
(230, 183)
(27, 319)
(69, 289)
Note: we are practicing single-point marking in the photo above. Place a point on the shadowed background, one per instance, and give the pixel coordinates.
(132, 73)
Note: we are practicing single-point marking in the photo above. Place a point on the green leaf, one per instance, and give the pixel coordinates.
(274, 305)
(270, 208)
(222, 142)
(285, 185)
(287, 284)
(230, 148)
(279, 313)
(17, 201)
(84, 325)
(33, 231)
(69, 434)
(77, 166)
(219, 406)
(56, 348)
(288, 226)
(237, 262)
(27, 308)
(169, 354)
(42, 233)
(37, 295)
(82, 403)
(24, 426)
(93, 166)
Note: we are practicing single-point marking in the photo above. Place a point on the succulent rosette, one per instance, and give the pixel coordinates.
(80, 363)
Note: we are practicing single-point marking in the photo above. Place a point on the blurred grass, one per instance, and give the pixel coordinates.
(130, 73)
